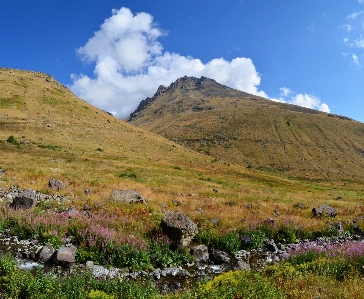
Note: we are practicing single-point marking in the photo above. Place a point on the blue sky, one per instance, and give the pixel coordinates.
(113, 53)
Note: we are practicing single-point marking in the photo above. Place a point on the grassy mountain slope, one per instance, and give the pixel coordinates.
(60, 136)
(253, 132)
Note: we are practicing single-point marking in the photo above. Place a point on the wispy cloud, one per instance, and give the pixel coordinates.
(285, 91)
(354, 15)
(355, 59)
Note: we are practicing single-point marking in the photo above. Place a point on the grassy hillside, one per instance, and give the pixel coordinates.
(249, 131)
(47, 132)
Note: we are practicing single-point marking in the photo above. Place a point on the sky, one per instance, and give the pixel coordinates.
(115, 53)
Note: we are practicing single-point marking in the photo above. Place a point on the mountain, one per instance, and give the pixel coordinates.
(250, 131)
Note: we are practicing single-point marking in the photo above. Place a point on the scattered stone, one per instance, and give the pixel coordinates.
(87, 207)
(338, 198)
(44, 254)
(324, 210)
(128, 196)
(176, 202)
(299, 205)
(24, 200)
(178, 227)
(276, 213)
(339, 227)
(219, 257)
(270, 245)
(88, 191)
(65, 256)
(246, 241)
(241, 265)
(216, 190)
(249, 205)
(200, 253)
(72, 212)
(56, 184)
(269, 221)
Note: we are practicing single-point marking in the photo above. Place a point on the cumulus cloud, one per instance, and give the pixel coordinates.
(304, 100)
(359, 42)
(131, 64)
(309, 101)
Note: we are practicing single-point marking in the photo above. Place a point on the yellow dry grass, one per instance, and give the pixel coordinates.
(63, 137)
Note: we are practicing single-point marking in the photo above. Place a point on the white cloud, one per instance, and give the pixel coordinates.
(345, 40)
(309, 101)
(347, 27)
(355, 59)
(285, 91)
(130, 64)
(354, 15)
(361, 1)
(359, 42)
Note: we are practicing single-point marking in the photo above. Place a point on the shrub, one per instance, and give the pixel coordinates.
(11, 139)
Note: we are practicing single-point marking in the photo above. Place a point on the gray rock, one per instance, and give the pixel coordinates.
(44, 254)
(24, 200)
(219, 257)
(339, 227)
(200, 253)
(324, 210)
(56, 184)
(299, 205)
(178, 227)
(241, 265)
(128, 196)
(269, 245)
(65, 256)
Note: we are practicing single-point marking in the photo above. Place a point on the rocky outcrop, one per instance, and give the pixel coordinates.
(128, 196)
(324, 210)
(24, 200)
(178, 227)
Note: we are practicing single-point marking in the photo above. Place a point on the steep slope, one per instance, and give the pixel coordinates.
(253, 132)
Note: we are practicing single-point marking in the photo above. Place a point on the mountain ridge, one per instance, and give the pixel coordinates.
(248, 130)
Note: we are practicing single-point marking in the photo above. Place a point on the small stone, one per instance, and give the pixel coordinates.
(56, 184)
(219, 257)
(128, 196)
(200, 253)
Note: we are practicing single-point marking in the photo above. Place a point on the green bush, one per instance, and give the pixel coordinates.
(11, 139)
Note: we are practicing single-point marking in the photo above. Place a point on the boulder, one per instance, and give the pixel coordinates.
(324, 210)
(241, 265)
(56, 184)
(44, 254)
(128, 196)
(25, 200)
(219, 257)
(65, 256)
(200, 253)
(178, 227)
